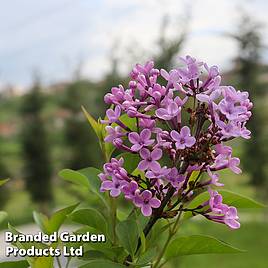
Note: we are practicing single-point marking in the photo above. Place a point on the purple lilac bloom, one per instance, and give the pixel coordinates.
(158, 173)
(112, 115)
(192, 70)
(150, 159)
(140, 140)
(183, 139)
(231, 218)
(220, 212)
(174, 126)
(113, 133)
(175, 178)
(209, 98)
(146, 202)
(131, 190)
(117, 95)
(169, 112)
(115, 187)
(229, 109)
(214, 178)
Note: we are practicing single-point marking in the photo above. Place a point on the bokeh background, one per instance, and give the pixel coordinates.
(58, 55)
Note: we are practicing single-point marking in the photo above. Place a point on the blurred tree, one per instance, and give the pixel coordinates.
(168, 48)
(36, 148)
(111, 79)
(248, 67)
(80, 142)
(4, 174)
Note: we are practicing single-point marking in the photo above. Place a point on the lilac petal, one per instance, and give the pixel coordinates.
(232, 223)
(136, 147)
(134, 137)
(175, 135)
(174, 76)
(156, 168)
(109, 138)
(120, 161)
(180, 146)
(146, 195)
(232, 212)
(103, 177)
(156, 154)
(190, 141)
(148, 142)
(215, 95)
(115, 192)
(233, 163)
(202, 97)
(110, 113)
(185, 131)
(240, 109)
(155, 203)
(164, 74)
(107, 185)
(143, 165)
(146, 210)
(145, 153)
(161, 113)
(154, 165)
(236, 170)
(138, 201)
(110, 129)
(133, 186)
(218, 199)
(150, 175)
(145, 134)
(173, 109)
(117, 111)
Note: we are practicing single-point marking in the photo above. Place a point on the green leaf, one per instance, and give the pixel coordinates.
(58, 218)
(41, 220)
(3, 216)
(131, 161)
(147, 257)
(142, 237)
(14, 264)
(229, 198)
(53, 224)
(129, 122)
(74, 177)
(35, 262)
(198, 244)
(102, 264)
(25, 245)
(108, 148)
(239, 201)
(2, 182)
(93, 254)
(128, 234)
(94, 124)
(91, 174)
(42, 262)
(90, 217)
(194, 175)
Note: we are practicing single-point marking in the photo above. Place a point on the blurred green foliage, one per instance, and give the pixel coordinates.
(249, 77)
(37, 170)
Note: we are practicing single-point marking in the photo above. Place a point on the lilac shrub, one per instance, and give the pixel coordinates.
(183, 117)
(163, 141)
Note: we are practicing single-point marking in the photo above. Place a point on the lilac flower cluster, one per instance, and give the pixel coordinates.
(183, 117)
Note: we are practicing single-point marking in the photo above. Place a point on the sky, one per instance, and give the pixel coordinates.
(55, 37)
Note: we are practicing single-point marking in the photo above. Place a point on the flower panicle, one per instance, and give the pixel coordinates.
(183, 118)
